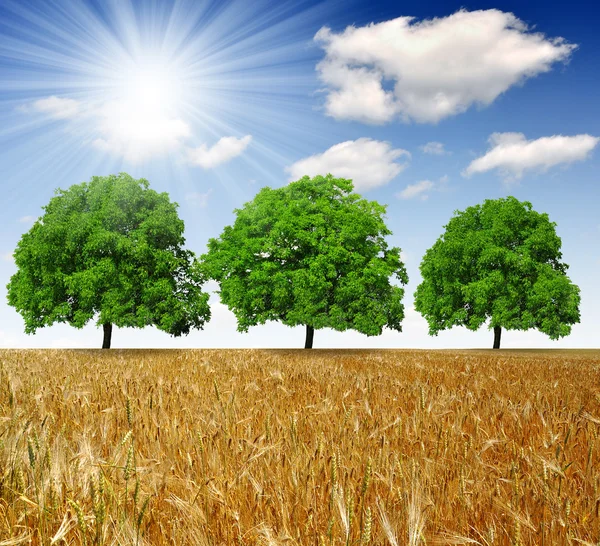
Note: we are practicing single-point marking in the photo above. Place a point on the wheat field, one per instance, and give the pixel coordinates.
(245, 447)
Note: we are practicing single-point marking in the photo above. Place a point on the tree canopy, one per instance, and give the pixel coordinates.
(110, 248)
(499, 261)
(311, 253)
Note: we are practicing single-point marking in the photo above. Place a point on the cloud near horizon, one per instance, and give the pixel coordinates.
(439, 67)
(368, 163)
(512, 154)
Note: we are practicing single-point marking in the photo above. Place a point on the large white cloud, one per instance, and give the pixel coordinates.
(438, 67)
(224, 150)
(512, 154)
(368, 163)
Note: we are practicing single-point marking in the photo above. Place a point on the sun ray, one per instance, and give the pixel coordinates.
(155, 78)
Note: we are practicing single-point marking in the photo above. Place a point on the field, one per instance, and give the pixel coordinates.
(299, 447)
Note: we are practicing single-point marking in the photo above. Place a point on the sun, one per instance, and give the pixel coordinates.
(143, 110)
(151, 86)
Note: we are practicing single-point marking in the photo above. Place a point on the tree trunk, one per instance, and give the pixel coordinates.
(310, 334)
(107, 335)
(497, 334)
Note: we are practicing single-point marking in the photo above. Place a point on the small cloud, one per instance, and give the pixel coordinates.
(27, 219)
(8, 257)
(512, 154)
(223, 151)
(198, 199)
(421, 189)
(368, 163)
(56, 107)
(434, 148)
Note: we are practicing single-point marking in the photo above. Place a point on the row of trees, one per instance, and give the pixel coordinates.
(312, 253)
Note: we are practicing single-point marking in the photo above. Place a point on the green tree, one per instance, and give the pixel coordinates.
(311, 253)
(499, 261)
(110, 248)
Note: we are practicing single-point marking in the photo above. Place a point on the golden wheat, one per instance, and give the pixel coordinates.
(299, 447)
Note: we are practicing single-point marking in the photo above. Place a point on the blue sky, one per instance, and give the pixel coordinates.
(210, 101)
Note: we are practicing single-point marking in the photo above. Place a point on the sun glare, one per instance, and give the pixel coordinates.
(144, 111)
(151, 88)
(160, 82)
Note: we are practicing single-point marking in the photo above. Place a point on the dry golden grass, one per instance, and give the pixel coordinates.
(299, 447)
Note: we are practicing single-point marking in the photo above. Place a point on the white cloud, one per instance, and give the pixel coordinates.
(8, 257)
(125, 128)
(135, 135)
(198, 199)
(57, 107)
(419, 189)
(27, 219)
(422, 188)
(439, 67)
(433, 148)
(368, 163)
(224, 150)
(136, 131)
(512, 154)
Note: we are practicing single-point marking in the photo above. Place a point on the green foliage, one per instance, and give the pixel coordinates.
(311, 253)
(110, 248)
(498, 261)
